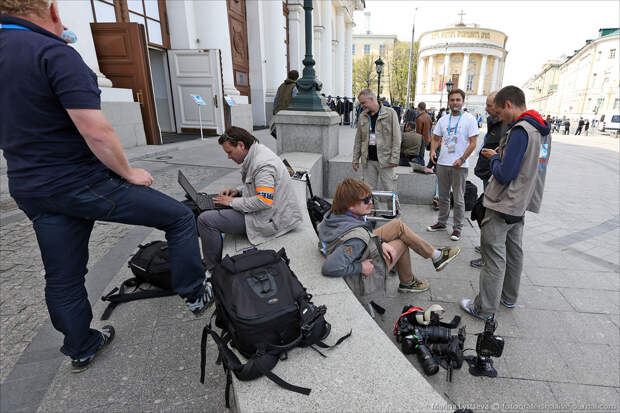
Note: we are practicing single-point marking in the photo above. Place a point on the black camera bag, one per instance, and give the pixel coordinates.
(263, 311)
(151, 265)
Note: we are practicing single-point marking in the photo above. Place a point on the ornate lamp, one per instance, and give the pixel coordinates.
(379, 63)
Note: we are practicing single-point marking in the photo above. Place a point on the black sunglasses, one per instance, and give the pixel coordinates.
(367, 200)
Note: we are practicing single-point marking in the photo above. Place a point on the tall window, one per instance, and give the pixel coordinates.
(382, 50)
(353, 50)
(366, 49)
(145, 12)
(612, 53)
(470, 83)
(616, 104)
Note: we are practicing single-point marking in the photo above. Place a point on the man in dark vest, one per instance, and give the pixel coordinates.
(518, 172)
(496, 130)
(284, 96)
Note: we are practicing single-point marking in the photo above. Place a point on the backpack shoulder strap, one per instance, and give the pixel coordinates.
(123, 297)
(260, 364)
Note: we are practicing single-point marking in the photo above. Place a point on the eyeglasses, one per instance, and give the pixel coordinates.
(226, 138)
(367, 200)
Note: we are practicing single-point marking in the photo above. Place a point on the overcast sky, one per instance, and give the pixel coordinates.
(537, 30)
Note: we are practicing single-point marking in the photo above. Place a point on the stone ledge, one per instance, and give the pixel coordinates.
(412, 187)
(366, 373)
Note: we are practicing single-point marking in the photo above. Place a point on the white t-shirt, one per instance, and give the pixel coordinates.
(453, 145)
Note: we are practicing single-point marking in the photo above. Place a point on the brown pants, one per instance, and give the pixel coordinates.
(399, 236)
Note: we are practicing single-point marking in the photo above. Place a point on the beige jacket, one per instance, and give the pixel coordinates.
(268, 200)
(387, 131)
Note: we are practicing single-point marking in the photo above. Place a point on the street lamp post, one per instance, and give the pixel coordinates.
(443, 77)
(379, 63)
(449, 86)
(308, 98)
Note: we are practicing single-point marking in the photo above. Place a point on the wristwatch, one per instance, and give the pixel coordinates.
(462, 160)
(230, 203)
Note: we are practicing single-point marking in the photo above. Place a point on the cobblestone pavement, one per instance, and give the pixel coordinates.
(22, 301)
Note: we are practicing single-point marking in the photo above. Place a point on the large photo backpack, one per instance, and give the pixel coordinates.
(263, 312)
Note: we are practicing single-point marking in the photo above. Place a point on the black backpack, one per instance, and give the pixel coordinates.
(317, 207)
(471, 194)
(263, 311)
(151, 265)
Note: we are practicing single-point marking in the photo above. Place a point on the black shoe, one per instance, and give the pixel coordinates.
(202, 303)
(80, 365)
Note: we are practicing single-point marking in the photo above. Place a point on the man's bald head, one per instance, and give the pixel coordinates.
(490, 105)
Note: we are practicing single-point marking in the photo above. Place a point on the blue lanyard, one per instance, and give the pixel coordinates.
(14, 26)
(457, 123)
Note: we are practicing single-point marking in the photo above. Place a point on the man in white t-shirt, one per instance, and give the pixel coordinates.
(456, 132)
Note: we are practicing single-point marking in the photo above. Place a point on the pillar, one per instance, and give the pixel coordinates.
(275, 38)
(296, 34)
(256, 55)
(339, 61)
(326, 47)
(446, 66)
(463, 78)
(429, 75)
(348, 60)
(75, 12)
(494, 74)
(483, 73)
(316, 53)
(418, 79)
(212, 32)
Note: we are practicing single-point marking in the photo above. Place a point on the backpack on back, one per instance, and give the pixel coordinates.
(151, 265)
(263, 311)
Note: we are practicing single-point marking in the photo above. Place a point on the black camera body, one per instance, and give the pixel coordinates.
(487, 345)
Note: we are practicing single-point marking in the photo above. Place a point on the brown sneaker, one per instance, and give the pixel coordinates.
(447, 255)
(456, 235)
(415, 286)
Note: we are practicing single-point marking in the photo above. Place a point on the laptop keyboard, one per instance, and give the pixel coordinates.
(205, 202)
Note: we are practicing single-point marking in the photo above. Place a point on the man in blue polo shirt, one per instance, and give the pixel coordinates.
(66, 169)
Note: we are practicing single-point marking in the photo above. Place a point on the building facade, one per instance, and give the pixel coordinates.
(232, 53)
(372, 46)
(472, 58)
(586, 84)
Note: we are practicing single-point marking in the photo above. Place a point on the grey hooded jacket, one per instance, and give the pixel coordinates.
(268, 202)
(349, 241)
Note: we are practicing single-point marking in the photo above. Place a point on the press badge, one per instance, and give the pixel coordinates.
(372, 139)
(451, 143)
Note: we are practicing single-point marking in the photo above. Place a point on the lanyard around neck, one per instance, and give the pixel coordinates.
(457, 123)
(14, 26)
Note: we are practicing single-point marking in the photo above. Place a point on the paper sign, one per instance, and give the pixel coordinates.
(229, 100)
(198, 99)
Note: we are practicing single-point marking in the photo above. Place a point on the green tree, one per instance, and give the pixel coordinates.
(364, 74)
(398, 68)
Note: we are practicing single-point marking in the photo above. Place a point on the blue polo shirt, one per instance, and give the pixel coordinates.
(42, 77)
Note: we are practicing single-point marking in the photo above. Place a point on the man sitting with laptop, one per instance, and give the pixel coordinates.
(263, 207)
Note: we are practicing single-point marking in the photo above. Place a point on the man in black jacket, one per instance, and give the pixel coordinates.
(495, 132)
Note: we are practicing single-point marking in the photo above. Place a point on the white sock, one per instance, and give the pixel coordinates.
(436, 255)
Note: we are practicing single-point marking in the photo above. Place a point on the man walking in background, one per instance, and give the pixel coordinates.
(423, 125)
(456, 133)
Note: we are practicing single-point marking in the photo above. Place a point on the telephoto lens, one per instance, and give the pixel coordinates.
(427, 361)
(435, 334)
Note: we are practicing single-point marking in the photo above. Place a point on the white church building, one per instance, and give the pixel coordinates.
(151, 56)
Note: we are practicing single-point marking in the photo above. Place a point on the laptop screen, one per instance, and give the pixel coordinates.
(187, 186)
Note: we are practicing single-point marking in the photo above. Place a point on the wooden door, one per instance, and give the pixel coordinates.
(123, 57)
(238, 30)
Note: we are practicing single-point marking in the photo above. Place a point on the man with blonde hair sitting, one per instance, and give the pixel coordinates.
(353, 248)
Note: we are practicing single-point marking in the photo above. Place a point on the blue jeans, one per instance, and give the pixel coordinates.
(63, 223)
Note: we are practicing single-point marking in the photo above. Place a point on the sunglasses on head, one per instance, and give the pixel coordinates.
(367, 200)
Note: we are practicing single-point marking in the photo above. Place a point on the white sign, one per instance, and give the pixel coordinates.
(229, 100)
(198, 99)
